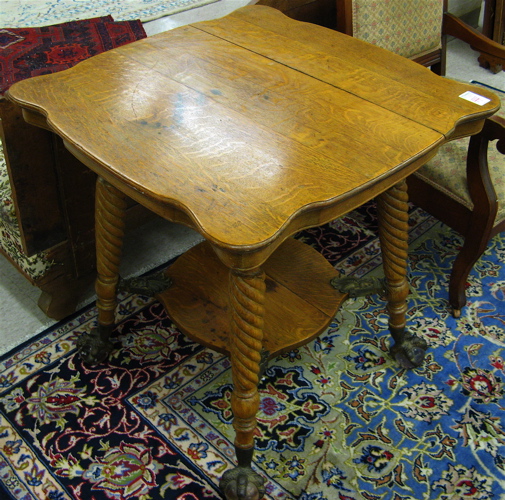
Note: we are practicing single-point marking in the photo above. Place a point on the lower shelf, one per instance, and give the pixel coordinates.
(299, 303)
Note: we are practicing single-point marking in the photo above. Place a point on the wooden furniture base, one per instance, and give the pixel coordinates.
(299, 299)
(53, 194)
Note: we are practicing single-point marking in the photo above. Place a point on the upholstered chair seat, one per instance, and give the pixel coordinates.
(464, 186)
(447, 171)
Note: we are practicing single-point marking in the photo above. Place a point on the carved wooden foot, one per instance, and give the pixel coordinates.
(493, 64)
(408, 349)
(358, 287)
(58, 305)
(110, 208)
(145, 285)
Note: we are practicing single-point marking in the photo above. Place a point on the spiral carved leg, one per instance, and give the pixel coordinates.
(110, 207)
(409, 350)
(247, 296)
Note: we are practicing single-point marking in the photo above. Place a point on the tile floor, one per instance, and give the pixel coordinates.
(21, 319)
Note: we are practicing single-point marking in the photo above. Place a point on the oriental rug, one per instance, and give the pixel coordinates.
(338, 419)
(28, 52)
(23, 14)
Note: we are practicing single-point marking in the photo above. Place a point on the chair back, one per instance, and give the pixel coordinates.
(410, 28)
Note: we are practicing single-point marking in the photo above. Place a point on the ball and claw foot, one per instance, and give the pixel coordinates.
(242, 483)
(92, 348)
(409, 352)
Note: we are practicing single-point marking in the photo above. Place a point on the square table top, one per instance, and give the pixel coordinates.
(251, 127)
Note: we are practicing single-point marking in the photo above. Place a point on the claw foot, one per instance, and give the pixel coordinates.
(358, 287)
(242, 483)
(93, 348)
(409, 352)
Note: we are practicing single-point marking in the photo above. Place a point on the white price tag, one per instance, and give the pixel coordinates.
(473, 97)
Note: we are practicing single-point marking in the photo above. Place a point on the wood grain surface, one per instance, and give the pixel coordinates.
(248, 128)
(252, 126)
(297, 308)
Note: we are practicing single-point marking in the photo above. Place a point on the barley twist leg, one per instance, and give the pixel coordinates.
(409, 350)
(110, 207)
(247, 297)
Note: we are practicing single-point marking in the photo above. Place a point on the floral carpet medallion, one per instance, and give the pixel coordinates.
(338, 419)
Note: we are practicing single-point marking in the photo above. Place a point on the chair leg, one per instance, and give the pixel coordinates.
(59, 299)
(474, 246)
(485, 207)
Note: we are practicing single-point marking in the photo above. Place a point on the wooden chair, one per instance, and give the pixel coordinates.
(464, 186)
(416, 29)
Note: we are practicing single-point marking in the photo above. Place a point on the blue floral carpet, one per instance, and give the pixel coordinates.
(338, 419)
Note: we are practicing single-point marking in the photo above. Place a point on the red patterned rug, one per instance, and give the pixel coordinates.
(27, 52)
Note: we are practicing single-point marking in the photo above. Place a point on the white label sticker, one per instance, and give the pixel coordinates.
(473, 97)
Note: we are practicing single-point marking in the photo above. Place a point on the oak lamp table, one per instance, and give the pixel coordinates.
(248, 129)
